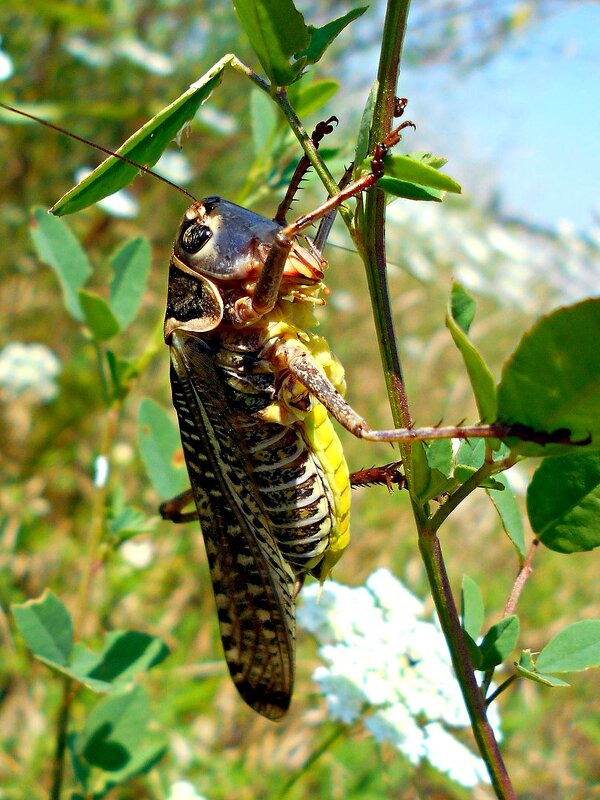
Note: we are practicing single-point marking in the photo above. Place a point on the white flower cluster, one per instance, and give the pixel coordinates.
(29, 372)
(390, 668)
(184, 790)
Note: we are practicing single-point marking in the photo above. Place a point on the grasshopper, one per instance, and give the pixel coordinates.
(255, 389)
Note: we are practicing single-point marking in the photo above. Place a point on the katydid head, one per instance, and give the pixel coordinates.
(218, 256)
(221, 240)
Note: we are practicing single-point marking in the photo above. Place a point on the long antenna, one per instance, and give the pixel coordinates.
(81, 139)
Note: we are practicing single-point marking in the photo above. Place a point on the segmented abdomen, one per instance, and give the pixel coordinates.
(294, 490)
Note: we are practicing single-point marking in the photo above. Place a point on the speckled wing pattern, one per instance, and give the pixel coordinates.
(253, 585)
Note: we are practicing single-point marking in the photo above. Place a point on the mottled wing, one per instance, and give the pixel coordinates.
(252, 583)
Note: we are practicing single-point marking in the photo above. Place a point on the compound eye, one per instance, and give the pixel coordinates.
(195, 237)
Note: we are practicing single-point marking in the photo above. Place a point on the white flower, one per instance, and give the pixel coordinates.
(6, 64)
(28, 371)
(139, 553)
(184, 790)
(391, 668)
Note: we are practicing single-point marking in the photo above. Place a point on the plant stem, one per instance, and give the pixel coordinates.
(521, 579)
(98, 514)
(429, 544)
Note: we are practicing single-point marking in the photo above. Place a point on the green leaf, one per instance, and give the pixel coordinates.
(537, 677)
(439, 456)
(124, 654)
(159, 445)
(80, 768)
(409, 191)
(276, 31)
(141, 761)
(552, 380)
(131, 266)
(472, 608)
(563, 502)
(310, 99)
(145, 147)
(406, 168)
(57, 247)
(114, 730)
(499, 642)
(575, 648)
(364, 130)
(121, 372)
(462, 307)
(461, 310)
(98, 316)
(321, 38)
(46, 626)
(471, 453)
(510, 515)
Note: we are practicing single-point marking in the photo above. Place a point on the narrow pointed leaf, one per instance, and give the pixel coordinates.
(405, 168)
(461, 310)
(409, 191)
(321, 38)
(145, 147)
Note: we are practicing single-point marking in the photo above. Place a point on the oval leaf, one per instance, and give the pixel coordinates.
(98, 316)
(552, 380)
(46, 626)
(131, 266)
(563, 502)
(499, 642)
(159, 445)
(145, 147)
(575, 648)
(56, 246)
(472, 608)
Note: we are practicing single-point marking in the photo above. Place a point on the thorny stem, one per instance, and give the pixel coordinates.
(98, 514)
(371, 248)
(429, 544)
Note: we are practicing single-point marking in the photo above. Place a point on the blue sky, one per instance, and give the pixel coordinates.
(532, 115)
